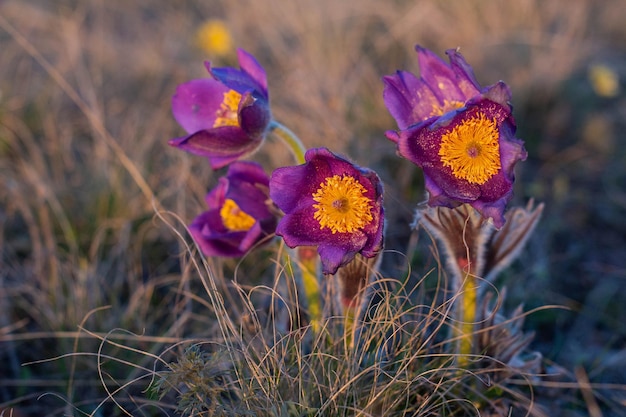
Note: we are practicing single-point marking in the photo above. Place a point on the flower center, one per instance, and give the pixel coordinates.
(471, 150)
(234, 218)
(343, 206)
(448, 105)
(227, 115)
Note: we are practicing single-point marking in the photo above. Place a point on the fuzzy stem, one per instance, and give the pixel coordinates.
(290, 139)
(350, 314)
(308, 263)
(466, 316)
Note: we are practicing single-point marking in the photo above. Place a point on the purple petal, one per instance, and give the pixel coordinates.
(248, 171)
(254, 114)
(466, 81)
(300, 229)
(496, 188)
(333, 257)
(493, 210)
(215, 198)
(251, 66)
(439, 76)
(251, 76)
(211, 242)
(408, 99)
(221, 145)
(196, 102)
(251, 238)
(453, 187)
(498, 93)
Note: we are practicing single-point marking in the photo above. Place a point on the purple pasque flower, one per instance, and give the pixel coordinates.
(239, 214)
(330, 203)
(461, 135)
(226, 117)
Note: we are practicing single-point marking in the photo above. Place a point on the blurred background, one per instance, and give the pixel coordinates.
(93, 200)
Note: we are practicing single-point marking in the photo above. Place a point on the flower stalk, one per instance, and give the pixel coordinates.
(289, 139)
(308, 261)
(466, 314)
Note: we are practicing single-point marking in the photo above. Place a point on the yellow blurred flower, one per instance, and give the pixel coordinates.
(604, 80)
(214, 37)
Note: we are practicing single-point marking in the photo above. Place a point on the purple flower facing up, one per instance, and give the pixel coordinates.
(460, 134)
(226, 117)
(239, 216)
(332, 204)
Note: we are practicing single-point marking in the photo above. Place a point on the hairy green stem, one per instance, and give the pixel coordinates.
(290, 139)
(466, 317)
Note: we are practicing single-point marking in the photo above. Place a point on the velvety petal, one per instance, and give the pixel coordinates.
(439, 76)
(251, 76)
(254, 114)
(408, 99)
(375, 235)
(212, 243)
(252, 237)
(417, 144)
(511, 150)
(251, 197)
(453, 187)
(196, 102)
(334, 256)
(496, 188)
(466, 81)
(301, 229)
(247, 171)
(284, 182)
(221, 145)
(251, 66)
(493, 210)
(215, 198)
(498, 93)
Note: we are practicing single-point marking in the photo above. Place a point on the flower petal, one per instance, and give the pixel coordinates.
(196, 102)
(466, 81)
(439, 76)
(254, 114)
(221, 145)
(251, 76)
(251, 66)
(408, 99)
(212, 243)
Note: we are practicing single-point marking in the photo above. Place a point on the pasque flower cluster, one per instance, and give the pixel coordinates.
(459, 133)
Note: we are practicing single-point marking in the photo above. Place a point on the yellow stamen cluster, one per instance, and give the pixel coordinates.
(343, 206)
(448, 105)
(472, 150)
(226, 115)
(235, 219)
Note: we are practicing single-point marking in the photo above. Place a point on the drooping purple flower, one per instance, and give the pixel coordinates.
(460, 134)
(226, 117)
(239, 214)
(330, 203)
